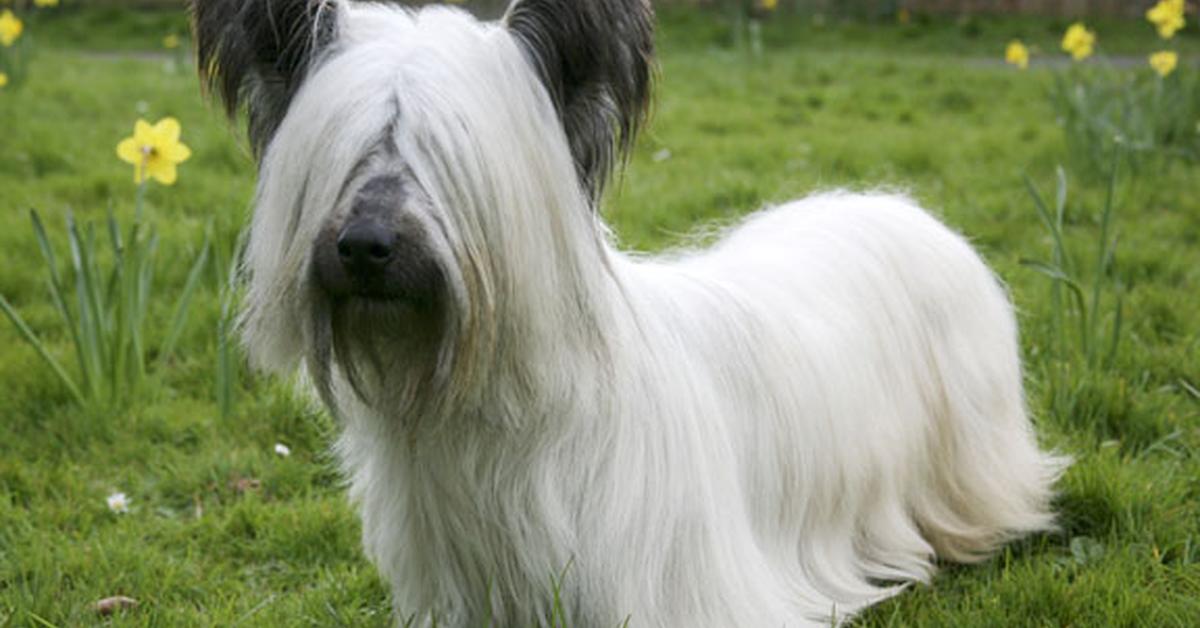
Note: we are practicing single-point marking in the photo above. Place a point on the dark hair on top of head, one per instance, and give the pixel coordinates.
(595, 58)
(257, 52)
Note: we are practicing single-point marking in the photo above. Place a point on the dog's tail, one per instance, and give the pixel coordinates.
(990, 482)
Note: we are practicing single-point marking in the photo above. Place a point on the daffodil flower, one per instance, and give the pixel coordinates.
(1164, 62)
(3, 79)
(1079, 41)
(1167, 16)
(154, 151)
(1017, 54)
(10, 28)
(45, 3)
(171, 42)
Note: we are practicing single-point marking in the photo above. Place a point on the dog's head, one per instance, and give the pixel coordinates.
(416, 165)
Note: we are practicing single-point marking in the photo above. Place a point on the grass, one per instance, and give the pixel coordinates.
(223, 531)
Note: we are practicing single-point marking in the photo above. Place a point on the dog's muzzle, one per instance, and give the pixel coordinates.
(380, 251)
(365, 247)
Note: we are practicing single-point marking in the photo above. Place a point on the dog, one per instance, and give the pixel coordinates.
(779, 430)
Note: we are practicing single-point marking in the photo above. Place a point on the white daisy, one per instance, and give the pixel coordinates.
(118, 503)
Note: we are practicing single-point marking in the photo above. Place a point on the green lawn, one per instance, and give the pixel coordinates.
(222, 530)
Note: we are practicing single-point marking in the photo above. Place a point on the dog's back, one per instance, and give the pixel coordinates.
(870, 383)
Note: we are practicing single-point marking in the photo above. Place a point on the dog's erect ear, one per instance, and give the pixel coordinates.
(596, 59)
(257, 52)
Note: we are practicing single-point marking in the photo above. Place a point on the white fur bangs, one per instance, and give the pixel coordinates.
(409, 88)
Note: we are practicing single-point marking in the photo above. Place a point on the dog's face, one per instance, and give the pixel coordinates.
(411, 162)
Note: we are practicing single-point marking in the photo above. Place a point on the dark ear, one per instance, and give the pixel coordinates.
(596, 60)
(257, 52)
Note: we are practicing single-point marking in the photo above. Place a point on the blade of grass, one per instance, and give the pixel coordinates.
(58, 294)
(143, 278)
(1060, 197)
(1115, 337)
(1074, 289)
(40, 348)
(112, 288)
(224, 379)
(182, 308)
(1053, 224)
(1105, 251)
(39, 232)
(89, 323)
(124, 278)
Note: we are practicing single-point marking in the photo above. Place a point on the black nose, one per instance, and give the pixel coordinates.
(365, 247)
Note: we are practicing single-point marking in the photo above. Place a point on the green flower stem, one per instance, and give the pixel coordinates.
(140, 198)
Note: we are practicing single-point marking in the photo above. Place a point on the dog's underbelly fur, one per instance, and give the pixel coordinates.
(791, 422)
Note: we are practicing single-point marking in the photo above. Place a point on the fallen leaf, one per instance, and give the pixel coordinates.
(245, 485)
(110, 605)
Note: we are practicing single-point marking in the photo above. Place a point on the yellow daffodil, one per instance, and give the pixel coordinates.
(45, 3)
(171, 42)
(1017, 54)
(1167, 15)
(768, 5)
(903, 16)
(10, 28)
(154, 151)
(3, 79)
(1164, 62)
(1079, 41)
